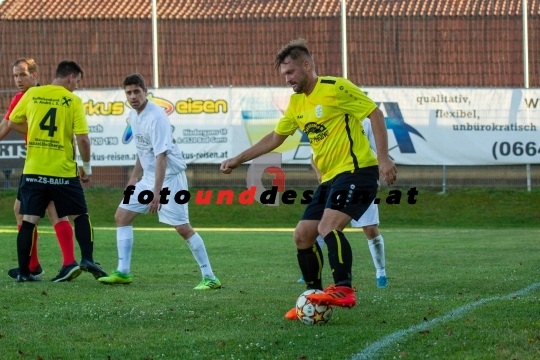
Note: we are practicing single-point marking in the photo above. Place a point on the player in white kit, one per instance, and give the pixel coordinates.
(158, 184)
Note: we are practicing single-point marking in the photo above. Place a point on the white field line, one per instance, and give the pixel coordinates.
(370, 351)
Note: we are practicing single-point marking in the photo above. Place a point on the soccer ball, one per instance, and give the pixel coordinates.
(310, 313)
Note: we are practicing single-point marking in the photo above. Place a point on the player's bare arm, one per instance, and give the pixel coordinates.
(268, 143)
(4, 128)
(136, 174)
(161, 165)
(387, 168)
(18, 127)
(83, 143)
(314, 167)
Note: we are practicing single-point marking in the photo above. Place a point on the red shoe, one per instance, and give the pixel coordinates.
(341, 296)
(291, 314)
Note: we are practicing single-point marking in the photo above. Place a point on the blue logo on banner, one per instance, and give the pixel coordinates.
(128, 134)
(395, 122)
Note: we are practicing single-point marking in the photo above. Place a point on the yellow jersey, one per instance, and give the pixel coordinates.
(54, 115)
(331, 116)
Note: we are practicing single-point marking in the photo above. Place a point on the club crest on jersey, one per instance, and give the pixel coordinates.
(318, 111)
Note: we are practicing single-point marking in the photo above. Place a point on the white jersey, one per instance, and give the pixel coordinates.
(153, 136)
(369, 133)
(371, 216)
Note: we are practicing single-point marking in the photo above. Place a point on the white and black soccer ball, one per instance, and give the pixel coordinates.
(310, 313)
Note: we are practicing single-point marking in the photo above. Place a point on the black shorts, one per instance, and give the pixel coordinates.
(37, 191)
(350, 192)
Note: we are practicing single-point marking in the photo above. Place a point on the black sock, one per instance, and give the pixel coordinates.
(25, 241)
(311, 262)
(85, 236)
(340, 257)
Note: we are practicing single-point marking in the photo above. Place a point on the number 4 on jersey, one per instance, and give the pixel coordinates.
(51, 114)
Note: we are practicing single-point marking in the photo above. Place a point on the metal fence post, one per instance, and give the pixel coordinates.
(528, 167)
(443, 180)
(155, 44)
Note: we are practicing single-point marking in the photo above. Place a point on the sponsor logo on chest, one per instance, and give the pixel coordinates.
(142, 140)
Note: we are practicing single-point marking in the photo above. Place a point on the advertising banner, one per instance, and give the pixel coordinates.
(426, 126)
(201, 120)
(461, 126)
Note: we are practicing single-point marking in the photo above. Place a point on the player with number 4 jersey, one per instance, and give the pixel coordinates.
(51, 116)
(52, 110)
(25, 74)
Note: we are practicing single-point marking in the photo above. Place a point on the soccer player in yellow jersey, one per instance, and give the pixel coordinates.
(50, 116)
(25, 74)
(330, 111)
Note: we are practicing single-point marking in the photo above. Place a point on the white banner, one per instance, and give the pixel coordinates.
(461, 126)
(425, 126)
(446, 126)
(201, 119)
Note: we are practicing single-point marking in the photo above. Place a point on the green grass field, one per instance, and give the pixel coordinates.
(464, 284)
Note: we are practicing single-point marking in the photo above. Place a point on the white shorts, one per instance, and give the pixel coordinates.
(171, 213)
(370, 217)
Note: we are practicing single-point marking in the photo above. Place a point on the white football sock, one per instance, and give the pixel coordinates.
(376, 247)
(196, 245)
(124, 242)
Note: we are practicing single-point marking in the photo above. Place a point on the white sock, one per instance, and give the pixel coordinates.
(376, 247)
(124, 242)
(196, 245)
(320, 240)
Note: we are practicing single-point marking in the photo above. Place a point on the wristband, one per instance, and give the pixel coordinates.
(87, 168)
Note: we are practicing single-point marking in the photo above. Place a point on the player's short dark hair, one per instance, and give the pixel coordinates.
(68, 67)
(134, 79)
(32, 66)
(296, 49)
